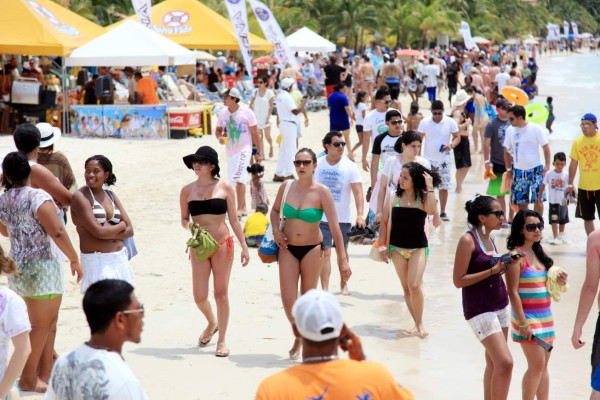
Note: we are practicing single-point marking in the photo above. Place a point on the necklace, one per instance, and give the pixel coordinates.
(317, 359)
(205, 186)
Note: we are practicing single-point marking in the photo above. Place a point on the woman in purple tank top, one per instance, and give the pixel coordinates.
(485, 299)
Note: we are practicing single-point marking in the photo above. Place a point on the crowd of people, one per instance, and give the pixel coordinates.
(410, 158)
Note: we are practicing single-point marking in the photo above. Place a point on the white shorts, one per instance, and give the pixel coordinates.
(486, 324)
(236, 167)
(99, 266)
(444, 169)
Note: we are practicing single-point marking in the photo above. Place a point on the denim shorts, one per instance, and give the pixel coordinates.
(328, 238)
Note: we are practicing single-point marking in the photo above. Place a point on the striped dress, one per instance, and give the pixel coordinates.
(536, 305)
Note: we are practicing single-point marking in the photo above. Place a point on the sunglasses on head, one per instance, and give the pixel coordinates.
(305, 163)
(338, 144)
(498, 214)
(437, 112)
(533, 227)
(396, 122)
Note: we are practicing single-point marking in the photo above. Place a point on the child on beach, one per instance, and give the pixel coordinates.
(556, 181)
(551, 117)
(256, 225)
(258, 194)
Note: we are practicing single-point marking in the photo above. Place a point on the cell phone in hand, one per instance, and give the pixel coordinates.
(344, 342)
(545, 345)
(505, 258)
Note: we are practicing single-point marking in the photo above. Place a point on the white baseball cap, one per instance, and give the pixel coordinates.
(318, 316)
(233, 92)
(287, 83)
(49, 134)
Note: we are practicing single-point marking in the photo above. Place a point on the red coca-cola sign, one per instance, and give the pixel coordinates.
(185, 120)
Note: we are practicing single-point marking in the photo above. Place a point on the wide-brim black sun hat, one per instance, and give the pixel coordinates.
(204, 153)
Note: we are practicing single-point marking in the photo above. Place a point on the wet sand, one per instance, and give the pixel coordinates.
(448, 364)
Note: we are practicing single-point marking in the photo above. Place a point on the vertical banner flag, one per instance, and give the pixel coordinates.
(465, 31)
(273, 33)
(575, 29)
(142, 9)
(566, 28)
(553, 32)
(239, 18)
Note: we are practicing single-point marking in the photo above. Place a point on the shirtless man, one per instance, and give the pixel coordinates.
(290, 72)
(480, 119)
(367, 72)
(586, 299)
(514, 79)
(392, 76)
(477, 79)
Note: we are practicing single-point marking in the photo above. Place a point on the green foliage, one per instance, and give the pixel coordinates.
(408, 23)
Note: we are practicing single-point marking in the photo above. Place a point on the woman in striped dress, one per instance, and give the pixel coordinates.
(530, 300)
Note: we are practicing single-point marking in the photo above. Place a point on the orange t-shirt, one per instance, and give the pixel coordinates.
(339, 379)
(147, 88)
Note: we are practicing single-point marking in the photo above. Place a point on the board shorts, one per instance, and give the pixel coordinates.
(558, 214)
(328, 237)
(496, 184)
(526, 185)
(486, 324)
(236, 167)
(444, 169)
(588, 201)
(596, 358)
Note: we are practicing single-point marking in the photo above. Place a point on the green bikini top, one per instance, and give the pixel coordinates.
(306, 214)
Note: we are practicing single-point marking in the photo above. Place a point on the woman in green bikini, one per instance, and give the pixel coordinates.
(300, 241)
(29, 217)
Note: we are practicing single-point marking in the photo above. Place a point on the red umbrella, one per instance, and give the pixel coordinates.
(409, 53)
(264, 60)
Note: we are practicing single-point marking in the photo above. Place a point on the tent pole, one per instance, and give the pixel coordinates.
(65, 97)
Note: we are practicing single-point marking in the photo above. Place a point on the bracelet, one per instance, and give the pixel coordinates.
(523, 326)
(508, 169)
(381, 249)
(569, 186)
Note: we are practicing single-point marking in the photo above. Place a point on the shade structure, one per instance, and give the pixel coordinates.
(131, 44)
(204, 56)
(195, 26)
(264, 60)
(481, 40)
(511, 41)
(310, 42)
(409, 53)
(43, 28)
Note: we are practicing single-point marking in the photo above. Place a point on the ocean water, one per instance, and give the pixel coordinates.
(574, 83)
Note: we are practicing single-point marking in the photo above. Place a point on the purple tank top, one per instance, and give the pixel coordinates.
(487, 295)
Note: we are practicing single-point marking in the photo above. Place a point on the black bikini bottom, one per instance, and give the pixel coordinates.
(300, 251)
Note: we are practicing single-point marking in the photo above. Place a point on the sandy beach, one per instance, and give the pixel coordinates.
(447, 365)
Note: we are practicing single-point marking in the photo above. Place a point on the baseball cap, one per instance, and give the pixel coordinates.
(287, 83)
(502, 102)
(318, 316)
(233, 92)
(589, 117)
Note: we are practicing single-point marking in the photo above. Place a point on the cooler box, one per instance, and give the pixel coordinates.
(26, 91)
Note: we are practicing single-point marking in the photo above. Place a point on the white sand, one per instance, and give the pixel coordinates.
(448, 364)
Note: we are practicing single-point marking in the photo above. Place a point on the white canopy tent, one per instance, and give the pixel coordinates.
(305, 40)
(131, 44)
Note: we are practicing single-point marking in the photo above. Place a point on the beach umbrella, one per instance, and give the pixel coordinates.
(264, 60)
(481, 40)
(204, 56)
(530, 41)
(511, 41)
(409, 53)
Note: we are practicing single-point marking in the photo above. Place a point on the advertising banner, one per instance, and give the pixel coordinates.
(239, 18)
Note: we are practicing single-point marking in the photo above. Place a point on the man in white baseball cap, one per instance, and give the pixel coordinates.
(320, 327)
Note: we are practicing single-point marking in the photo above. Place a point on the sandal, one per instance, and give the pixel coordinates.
(204, 341)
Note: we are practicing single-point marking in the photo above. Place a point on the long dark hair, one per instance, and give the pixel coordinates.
(416, 173)
(360, 96)
(516, 237)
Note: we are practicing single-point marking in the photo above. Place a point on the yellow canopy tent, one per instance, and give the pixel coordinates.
(195, 26)
(42, 28)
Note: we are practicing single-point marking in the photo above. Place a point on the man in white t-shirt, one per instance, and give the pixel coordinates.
(237, 130)
(501, 79)
(431, 73)
(374, 123)
(522, 144)
(343, 179)
(287, 113)
(441, 137)
(96, 369)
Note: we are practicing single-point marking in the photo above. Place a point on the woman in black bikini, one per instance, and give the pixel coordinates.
(205, 202)
(300, 241)
(408, 244)
(102, 224)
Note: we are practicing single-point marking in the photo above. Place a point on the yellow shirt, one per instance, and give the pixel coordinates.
(586, 151)
(339, 379)
(256, 224)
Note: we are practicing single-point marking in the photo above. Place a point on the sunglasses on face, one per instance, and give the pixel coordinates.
(505, 108)
(305, 163)
(338, 144)
(138, 310)
(511, 119)
(386, 101)
(498, 214)
(260, 82)
(533, 227)
(200, 162)
(396, 122)
(437, 112)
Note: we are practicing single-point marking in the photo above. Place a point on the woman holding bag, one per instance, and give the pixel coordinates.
(301, 205)
(205, 202)
(403, 227)
(102, 224)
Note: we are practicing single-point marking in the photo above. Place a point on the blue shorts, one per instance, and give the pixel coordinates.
(431, 93)
(596, 358)
(526, 185)
(328, 237)
(339, 125)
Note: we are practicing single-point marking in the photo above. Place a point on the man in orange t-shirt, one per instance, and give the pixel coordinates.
(145, 90)
(318, 322)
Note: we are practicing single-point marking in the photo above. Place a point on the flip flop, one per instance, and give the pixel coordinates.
(206, 340)
(223, 352)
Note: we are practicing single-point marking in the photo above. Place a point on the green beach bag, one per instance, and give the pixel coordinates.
(201, 242)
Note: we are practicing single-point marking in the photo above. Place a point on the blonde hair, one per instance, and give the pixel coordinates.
(7, 264)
